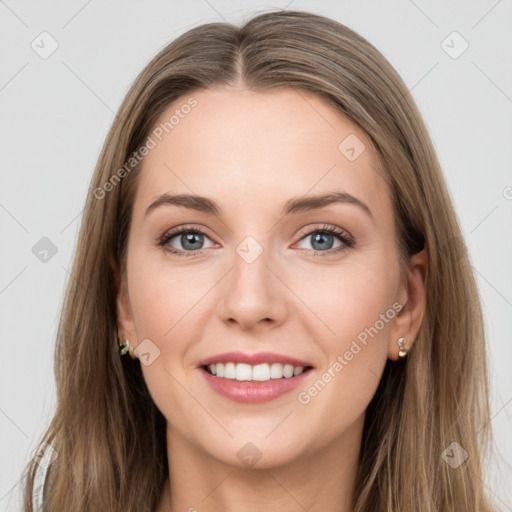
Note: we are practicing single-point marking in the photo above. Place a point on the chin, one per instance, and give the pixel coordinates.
(244, 453)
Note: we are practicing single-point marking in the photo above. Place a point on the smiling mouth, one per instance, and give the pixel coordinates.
(254, 373)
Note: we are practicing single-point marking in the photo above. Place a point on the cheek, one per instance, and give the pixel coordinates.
(166, 300)
(347, 303)
(353, 317)
(166, 303)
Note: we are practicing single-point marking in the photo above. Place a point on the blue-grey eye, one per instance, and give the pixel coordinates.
(322, 240)
(191, 241)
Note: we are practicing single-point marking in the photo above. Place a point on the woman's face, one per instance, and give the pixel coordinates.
(261, 274)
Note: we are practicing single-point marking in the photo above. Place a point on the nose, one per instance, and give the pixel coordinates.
(253, 295)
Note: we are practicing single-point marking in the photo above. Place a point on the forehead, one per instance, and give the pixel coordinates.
(237, 144)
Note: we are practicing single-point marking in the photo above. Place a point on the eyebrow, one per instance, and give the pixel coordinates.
(294, 205)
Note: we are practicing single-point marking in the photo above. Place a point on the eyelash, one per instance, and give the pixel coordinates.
(342, 235)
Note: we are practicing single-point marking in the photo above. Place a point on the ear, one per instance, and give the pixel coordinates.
(125, 322)
(412, 297)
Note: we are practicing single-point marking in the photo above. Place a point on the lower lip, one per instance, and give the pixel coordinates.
(253, 392)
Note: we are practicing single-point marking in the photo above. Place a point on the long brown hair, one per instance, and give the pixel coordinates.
(107, 432)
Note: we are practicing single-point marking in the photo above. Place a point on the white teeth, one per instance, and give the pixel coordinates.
(229, 371)
(276, 371)
(259, 372)
(288, 370)
(243, 371)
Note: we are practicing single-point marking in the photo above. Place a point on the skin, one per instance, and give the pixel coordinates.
(250, 153)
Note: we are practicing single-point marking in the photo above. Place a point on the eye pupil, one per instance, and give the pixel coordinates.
(320, 237)
(189, 238)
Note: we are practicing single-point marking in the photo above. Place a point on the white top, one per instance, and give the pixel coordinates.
(39, 481)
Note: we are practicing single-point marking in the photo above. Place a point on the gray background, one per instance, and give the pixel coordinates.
(55, 113)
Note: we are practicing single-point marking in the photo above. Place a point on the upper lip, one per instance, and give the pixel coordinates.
(253, 359)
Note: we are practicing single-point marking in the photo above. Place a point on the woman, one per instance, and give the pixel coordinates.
(272, 307)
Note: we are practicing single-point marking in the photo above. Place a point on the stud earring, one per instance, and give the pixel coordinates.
(402, 352)
(124, 346)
